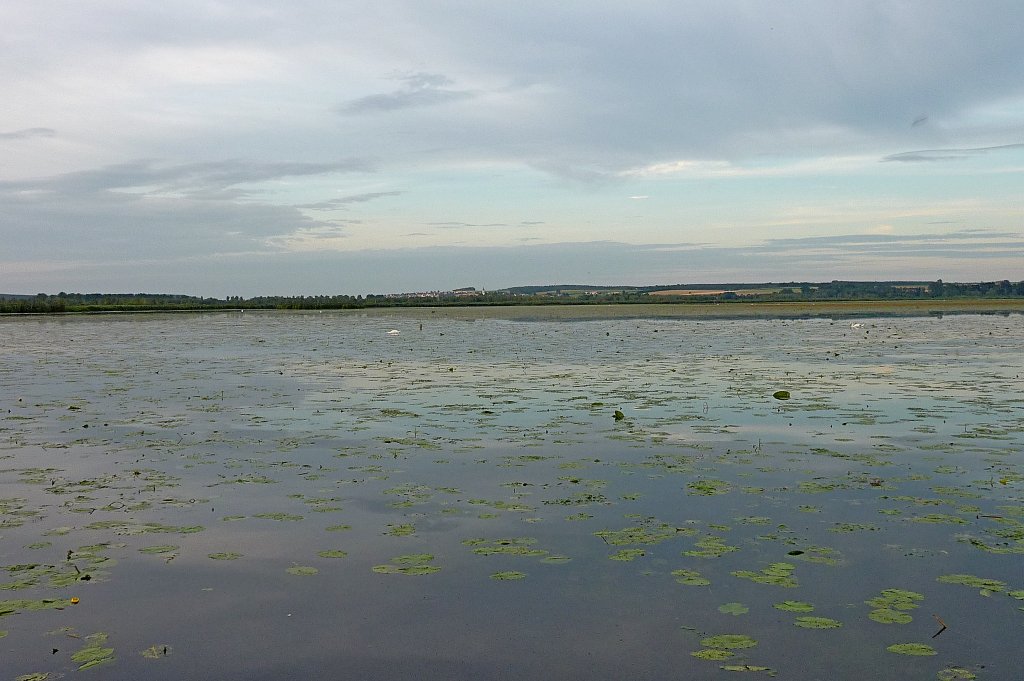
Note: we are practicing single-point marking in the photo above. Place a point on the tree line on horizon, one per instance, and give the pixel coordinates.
(526, 295)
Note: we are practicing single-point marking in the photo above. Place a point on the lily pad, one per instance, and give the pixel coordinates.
(794, 606)
(912, 649)
(332, 553)
(728, 641)
(781, 394)
(817, 623)
(713, 654)
(226, 555)
(508, 575)
(302, 570)
(690, 578)
(733, 609)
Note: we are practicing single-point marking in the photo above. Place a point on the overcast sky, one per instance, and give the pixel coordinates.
(246, 147)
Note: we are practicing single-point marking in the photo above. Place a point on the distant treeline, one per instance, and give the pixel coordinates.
(525, 295)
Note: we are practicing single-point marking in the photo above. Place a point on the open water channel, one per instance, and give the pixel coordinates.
(510, 494)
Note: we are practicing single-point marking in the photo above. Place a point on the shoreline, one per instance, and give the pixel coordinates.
(716, 310)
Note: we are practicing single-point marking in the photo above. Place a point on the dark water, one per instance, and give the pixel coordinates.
(478, 445)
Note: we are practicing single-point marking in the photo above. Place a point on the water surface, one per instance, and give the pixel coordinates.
(269, 495)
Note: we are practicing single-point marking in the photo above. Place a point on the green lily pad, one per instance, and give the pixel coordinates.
(794, 606)
(690, 578)
(93, 654)
(777, 574)
(733, 609)
(302, 570)
(162, 548)
(508, 575)
(713, 654)
(332, 553)
(781, 394)
(817, 623)
(627, 554)
(155, 652)
(971, 580)
(728, 641)
(226, 555)
(889, 616)
(912, 649)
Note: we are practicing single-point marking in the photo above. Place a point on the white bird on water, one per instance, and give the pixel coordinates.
(394, 332)
(856, 325)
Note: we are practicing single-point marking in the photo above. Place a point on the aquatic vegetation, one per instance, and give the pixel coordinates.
(403, 530)
(713, 654)
(986, 586)
(514, 546)
(912, 649)
(508, 575)
(159, 549)
(410, 564)
(30, 605)
(710, 546)
(728, 641)
(733, 609)
(794, 606)
(776, 574)
(817, 623)
(93, 653)
(302, 570)
(226, 555)
(332, 553)
(649, 533)
(156, 651)
(690, 578)
(889, 606)
(280, 517)
(628, 554)
(821, 555)
(708, 488)
(781, 394)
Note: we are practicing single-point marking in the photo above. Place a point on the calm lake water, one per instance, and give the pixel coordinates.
(510, 494)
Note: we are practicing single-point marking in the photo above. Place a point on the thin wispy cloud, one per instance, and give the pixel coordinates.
(27, 133)
(928, 155)
(419, 89)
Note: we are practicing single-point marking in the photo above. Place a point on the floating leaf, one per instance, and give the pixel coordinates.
(627, 554)
(163, 548)
(728, 641)
(302, 570)
(713, 654)
(781, 394)
(733, 609)
(817, 623)
(508, 575)
(332, 553)
(794, 606)
(912, 649)
(227, 555)
(690, 578)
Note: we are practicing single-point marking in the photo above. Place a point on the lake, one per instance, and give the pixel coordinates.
(541, 493)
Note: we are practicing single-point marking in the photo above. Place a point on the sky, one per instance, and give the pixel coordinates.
(250, 147)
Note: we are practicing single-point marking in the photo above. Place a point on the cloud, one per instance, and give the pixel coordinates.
(27, 133)
(143, 210)
(963, 256)
(946, 154)
(344, 201)
(420, 89)
(205, 178)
